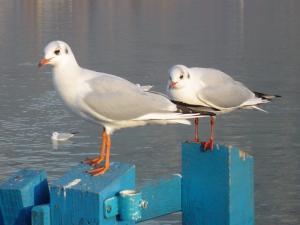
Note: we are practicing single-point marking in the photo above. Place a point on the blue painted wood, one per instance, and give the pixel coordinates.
(78, 198)
(40, 215)
(111, 207)
(130, 205)
(217, 186)
(19, 193)
(163, 197)
(1, 217)
(127, 205)
(241, 190)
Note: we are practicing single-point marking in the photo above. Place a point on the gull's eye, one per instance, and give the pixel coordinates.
(56, 52)
(181, 77)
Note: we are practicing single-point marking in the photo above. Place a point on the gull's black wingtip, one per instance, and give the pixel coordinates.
(266, 96)
(187, 109)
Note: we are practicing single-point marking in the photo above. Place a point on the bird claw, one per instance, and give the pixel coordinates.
(196, 140)
(93, 161)
(208, 145)
(98, 171)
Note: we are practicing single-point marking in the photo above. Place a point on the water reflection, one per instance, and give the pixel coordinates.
(254, 41)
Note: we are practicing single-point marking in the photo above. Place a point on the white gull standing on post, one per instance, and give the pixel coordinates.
(211, 90)
(106, 99)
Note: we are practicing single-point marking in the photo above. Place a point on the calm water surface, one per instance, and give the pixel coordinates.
(255, 41)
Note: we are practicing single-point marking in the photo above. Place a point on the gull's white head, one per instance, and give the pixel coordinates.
(57, 53)
(55, 134)
(179, 76)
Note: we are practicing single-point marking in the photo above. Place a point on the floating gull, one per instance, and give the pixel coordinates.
(56, 136)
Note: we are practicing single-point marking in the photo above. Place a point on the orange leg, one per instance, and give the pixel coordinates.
(209, 145)
(97, 160)
(196, 123)
(102, 170)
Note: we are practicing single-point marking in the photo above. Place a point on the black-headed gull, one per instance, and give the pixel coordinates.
(106, 99)
(59, 136)
(207, 89)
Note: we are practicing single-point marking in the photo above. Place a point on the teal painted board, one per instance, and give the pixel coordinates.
(78, 198)
(40, 215)
(241, 188)
(217, 186)
(19, 193)
(1, 218)
(163, 197)
(130, 205)
(111, 207)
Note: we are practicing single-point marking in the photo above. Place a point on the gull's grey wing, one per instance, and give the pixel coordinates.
(118, 99)
(210, 76)
(65, 135)
(225, 96)
(145, 87)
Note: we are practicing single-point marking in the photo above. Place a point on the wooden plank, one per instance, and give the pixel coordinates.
(78, 198)
(40, 215)
(130, 205)
(163, 197)
(241, 188)
(19, 193)
(217, 186)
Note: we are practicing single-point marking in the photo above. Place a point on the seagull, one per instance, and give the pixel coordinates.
(107, 100)
(58, 136)
(211, 90)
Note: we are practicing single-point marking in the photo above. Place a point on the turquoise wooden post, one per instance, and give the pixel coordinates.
(217, 186)
(162, 196)
(40, 215)
(129, 203)
(155, 198)
(78, 198)
(19, 193)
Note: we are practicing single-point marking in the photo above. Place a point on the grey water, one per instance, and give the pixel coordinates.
(257, 42)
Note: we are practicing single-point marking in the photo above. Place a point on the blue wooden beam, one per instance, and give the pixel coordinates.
(40, 215)
(78, 198)
(162, 197)
(127, 205)
(156, 198)
(19, 193)
(217, 186)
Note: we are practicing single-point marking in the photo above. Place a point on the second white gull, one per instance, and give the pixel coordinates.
(211, 90)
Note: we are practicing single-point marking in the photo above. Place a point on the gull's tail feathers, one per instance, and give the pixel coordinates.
(266, 96)
(170, 116)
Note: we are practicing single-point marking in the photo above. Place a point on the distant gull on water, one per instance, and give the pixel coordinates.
(58, 136)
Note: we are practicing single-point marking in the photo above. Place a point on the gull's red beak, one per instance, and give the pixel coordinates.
(172, 85)
(43, 61)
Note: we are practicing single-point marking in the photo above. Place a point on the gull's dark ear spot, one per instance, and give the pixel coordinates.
(188, 76)
(57, 52)
(66, 50)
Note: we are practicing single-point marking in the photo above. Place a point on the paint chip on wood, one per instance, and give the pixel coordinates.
(243, 155)
(73, 183)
